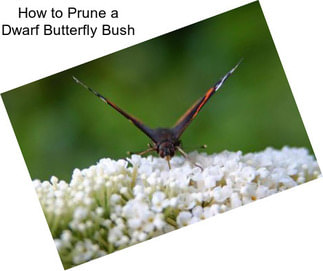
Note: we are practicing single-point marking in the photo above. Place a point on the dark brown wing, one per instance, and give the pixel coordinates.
(191, 113)
(136, 122)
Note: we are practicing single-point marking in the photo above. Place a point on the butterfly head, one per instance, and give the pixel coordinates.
(166, 149)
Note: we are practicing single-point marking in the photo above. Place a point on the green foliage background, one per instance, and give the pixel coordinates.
(61, 126)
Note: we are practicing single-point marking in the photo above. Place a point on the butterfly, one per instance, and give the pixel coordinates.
(166, 141)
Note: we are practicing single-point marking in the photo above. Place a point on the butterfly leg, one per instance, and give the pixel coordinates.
(188, 158)
(168, 161)
(141, 153)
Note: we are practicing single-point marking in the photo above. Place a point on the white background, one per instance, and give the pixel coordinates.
(281, 232)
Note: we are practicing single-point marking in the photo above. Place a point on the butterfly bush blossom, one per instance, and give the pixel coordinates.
(115, 204)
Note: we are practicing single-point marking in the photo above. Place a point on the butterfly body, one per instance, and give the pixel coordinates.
(166, 141)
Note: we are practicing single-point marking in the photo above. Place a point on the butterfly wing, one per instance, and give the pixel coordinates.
(149, 132)
(192, 112)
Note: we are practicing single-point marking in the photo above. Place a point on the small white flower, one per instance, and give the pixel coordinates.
(287, 182)
(159, 201)
(135, 159)
(115, 198)
(220, 194)
(138, 189)
(235, 200)
(261, 192)
(211, 211)
(301, 179)
(134, 223)
(212, 175)
(263, 172)
(198, 196)
(185, 201)
(37, 184)
(142, 236)
(81, 227)
(124, 190)
(124, 240)
(173, 201)
(115, 234)
(88, 224)
(79, 195)
(59, 244)
(54, 181)
(99, 211)
(198, 212)
(194, 219)
(106, 223)
(159, 222)
(80, 213)
(183, 218)
(88, 201)
(66, 236)
(248, 174)
(248, 189)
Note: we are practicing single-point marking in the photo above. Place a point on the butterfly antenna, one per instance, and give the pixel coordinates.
(202, 147)
(90, 89)
(224, 78)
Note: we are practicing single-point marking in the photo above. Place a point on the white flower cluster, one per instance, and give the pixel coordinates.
(116, 204)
